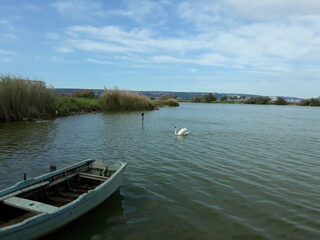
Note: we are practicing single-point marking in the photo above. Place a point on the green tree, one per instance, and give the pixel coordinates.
(280, 101)
(208, 98)
(224, 98)
(257, 100)
(310, 102)
(196, 99)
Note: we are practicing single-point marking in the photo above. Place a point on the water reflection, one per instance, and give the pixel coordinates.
(244, 172)
(93, 224)
(23, 146)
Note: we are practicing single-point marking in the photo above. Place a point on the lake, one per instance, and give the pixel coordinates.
(244, 172)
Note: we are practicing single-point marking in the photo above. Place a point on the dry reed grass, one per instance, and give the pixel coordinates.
(22, 98)
(119, 100)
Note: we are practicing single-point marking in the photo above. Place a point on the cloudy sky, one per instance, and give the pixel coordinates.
(266, 47)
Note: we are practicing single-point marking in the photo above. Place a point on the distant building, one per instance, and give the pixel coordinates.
(293, 100)
(273, 98)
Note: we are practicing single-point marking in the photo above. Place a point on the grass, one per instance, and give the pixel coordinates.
(118, 100)
(66, 105)
(23, 98)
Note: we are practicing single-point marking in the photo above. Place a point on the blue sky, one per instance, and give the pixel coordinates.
(266, 47)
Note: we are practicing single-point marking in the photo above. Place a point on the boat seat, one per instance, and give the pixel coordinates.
(93, 176)
(29, 205)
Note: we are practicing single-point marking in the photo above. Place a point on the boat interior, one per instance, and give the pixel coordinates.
(50, 194)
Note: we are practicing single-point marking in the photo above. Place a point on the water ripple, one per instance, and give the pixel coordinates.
(244, 172)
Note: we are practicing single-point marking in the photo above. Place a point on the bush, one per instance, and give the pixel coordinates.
(167, 97)
(196, 99)
(311, 102)
(66, 105)
(84, 94)
(22, 98)
(280, 101)
(207, 98)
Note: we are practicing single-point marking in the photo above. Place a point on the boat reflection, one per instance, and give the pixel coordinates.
(95, 222)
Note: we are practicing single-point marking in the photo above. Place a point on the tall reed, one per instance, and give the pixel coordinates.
(171, 102)
(119, 100)
(22, 98)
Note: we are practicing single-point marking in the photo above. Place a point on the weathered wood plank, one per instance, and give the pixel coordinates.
(92, 176)
(29, 205)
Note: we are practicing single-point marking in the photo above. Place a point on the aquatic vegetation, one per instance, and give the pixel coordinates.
(23, 98)
(171, 102)
(120, 100)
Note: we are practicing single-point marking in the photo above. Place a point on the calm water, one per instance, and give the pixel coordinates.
(244, 172)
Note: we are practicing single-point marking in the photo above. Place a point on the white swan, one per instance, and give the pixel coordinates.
(181, 132)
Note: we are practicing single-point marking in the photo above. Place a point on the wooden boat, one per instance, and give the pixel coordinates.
(35, 207)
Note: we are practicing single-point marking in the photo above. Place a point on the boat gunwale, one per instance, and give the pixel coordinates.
(71, 205)
(31, 181)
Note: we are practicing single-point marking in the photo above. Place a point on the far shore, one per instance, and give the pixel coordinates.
(24, 99)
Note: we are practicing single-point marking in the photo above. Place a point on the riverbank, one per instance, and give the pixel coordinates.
(68, 105)
(23, 99)
(312, 102)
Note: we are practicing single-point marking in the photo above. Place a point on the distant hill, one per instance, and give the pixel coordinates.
(179, 95)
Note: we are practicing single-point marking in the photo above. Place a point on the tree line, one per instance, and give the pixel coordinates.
(210, 98)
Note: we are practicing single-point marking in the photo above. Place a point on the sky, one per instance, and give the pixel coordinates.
(265, 47)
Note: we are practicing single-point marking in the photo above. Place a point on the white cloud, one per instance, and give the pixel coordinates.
(113, 38)
(10, 36)
(79, 9)
(213, 36)
(208, 59)
(271, 46)
(32, 7)
(203, 13)
(208, 13)
(3, 21)
(6, 52)
(6, 24)
(5, 59)
(57, 59)
(89, 45)
(99, 61)
(273, 9)
(139, 10)
(64, 49)
(52, 35)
